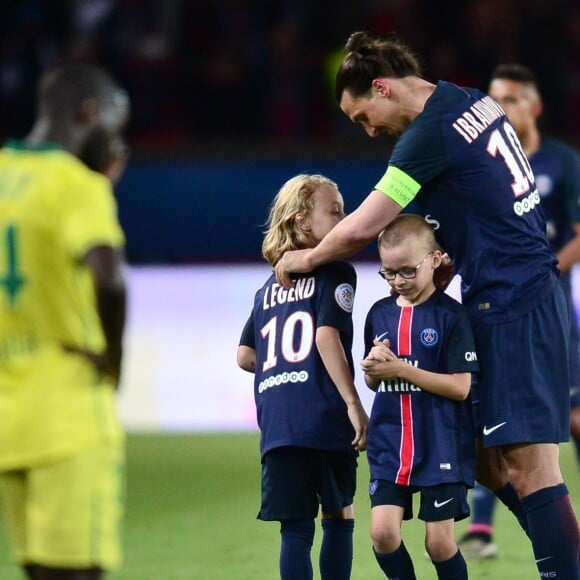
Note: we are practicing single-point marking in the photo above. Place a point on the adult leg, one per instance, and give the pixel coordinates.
(336, 551)
(534, 471)
(575, 429)
(493, 473)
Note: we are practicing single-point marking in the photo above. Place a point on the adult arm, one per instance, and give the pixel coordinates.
(569, 254)
(347, 238)
(334, 359)
(106, 265)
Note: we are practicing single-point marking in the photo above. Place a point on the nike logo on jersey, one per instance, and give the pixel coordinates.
(439, 504)
(489, 430)
(380, 337)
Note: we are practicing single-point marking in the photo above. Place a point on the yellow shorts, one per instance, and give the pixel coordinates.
(67, 513)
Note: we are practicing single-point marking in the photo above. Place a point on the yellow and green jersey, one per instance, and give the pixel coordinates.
(53, 210)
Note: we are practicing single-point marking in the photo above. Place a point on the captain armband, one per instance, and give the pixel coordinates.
(399, 186)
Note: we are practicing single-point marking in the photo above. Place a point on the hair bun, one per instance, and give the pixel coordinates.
(358, 42)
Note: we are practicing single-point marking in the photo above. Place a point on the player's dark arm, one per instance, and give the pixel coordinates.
(569, 254)
(246, 358)
(106, 265)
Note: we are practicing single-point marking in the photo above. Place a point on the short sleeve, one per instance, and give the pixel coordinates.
(337, 298)
(248, 337)
(461, 354)
(91, 218)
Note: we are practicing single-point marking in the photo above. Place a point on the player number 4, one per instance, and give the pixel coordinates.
(11, 279)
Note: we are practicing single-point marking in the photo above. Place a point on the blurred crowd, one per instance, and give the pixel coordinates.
(263, 69)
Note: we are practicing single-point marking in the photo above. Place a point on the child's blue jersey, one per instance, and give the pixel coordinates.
(462, 163)
(415, 437)
(557, 170)
(297, 401)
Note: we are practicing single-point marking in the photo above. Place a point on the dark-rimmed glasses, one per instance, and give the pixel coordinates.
(406, 272)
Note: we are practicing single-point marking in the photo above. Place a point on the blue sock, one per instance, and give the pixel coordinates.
(483, 505)
(336, 549)
(297, 537)
(554, 532)
(508, 496)
(397, 565)
(453, 569)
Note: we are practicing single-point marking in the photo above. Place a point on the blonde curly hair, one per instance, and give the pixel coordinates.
(282, 232)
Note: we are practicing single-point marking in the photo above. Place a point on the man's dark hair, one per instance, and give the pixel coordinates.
(369, 58)
(515, 72)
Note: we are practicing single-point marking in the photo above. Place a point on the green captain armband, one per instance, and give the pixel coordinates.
(399, 186)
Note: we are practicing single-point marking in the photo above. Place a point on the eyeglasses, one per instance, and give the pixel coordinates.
(407, 272)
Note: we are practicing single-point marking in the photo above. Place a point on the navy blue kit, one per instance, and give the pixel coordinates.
(297, 402)
(471, 180)
(415, 437)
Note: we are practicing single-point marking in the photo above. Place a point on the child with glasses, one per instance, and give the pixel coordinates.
(298, 343)
(419, 358)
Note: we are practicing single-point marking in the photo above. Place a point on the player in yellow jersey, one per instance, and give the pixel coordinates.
(62, 311)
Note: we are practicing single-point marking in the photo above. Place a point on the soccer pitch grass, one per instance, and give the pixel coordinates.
(191, 515)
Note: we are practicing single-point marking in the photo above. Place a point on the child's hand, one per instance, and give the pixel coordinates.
(382, 362)
(360, 421)
(381, 352)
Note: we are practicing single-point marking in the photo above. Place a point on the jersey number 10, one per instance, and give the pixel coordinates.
(514, 158)
(287, 348)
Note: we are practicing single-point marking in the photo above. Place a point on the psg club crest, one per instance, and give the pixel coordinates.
(429, 337)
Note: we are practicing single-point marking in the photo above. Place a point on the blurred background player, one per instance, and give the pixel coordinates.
(298, 343)
(420, 356)
(62, 312)
(556, 167)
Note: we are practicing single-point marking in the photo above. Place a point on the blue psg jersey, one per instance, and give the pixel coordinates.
(415, 437)
(476, 187)
(557, 170)
(296, 400)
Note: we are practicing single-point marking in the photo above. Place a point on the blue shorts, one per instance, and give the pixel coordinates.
(297, 480)
(523, 384)
(438, 502)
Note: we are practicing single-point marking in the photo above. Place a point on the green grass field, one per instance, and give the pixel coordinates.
(191, 515)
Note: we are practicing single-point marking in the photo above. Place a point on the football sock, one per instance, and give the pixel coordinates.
(336, 549)
(297, 537)
(397, 564)
(453, 569)
(508, 496)
(483, 505)
(554, 532)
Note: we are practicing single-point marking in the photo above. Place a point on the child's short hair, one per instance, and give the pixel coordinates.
(282, 233)
(405, 226)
